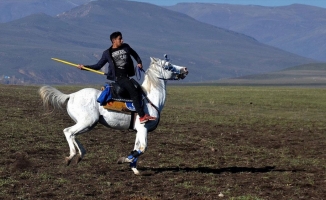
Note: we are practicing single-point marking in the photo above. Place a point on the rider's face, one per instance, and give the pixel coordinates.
(118, 41)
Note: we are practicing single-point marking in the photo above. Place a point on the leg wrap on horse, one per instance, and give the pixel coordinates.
(134, 157)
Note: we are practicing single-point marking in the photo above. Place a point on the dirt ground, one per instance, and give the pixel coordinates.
(183, 161)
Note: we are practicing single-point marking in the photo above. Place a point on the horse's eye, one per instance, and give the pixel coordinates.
(168, 67)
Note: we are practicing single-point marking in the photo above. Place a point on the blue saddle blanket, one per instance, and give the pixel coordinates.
(105, 95)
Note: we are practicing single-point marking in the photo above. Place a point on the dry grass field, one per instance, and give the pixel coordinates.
(213, 142)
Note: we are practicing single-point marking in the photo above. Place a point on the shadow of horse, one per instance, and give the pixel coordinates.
(207, 170)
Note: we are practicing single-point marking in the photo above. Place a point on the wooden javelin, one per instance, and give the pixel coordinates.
(75, 65)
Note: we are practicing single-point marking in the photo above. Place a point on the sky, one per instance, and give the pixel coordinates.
(319, 3)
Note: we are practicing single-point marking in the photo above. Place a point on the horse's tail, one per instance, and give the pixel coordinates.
(53, 97)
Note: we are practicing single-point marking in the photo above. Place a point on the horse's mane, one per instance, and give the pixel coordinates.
(151, 78)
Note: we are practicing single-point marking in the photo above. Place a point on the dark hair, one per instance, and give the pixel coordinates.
(115, 35)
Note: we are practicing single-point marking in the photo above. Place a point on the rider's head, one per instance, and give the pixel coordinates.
(116, 39)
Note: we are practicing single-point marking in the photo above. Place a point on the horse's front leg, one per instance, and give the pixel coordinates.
(139, 148)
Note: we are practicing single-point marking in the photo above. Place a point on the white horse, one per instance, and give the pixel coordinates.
(83, 108)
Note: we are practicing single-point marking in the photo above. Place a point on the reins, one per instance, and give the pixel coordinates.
(138, 75)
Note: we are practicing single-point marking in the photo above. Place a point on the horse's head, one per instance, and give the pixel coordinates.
(167, 71)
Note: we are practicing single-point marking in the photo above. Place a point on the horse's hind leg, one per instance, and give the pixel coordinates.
(70, 141)
(70, 134)
(81, 150)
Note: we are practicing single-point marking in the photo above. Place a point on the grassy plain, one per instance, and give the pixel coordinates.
(312, 74)
(247, 143)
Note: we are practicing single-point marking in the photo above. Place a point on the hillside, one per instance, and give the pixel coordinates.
(296, 28)
(16, 9)
(81, 34)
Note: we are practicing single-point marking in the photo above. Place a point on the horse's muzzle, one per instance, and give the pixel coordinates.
(183, 74)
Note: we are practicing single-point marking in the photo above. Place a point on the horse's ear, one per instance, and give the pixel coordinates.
(153, 59)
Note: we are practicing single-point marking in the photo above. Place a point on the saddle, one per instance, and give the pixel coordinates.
(117, 98)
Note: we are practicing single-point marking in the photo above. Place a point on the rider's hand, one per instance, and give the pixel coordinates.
(140, 65)
(80, 66)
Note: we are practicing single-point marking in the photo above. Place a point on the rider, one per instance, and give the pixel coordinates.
(121, 68)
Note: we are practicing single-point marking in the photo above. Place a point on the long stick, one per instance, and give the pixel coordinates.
(75, 65)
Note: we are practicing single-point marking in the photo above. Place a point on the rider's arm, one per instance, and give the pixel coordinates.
(135, 55)
(100, 63)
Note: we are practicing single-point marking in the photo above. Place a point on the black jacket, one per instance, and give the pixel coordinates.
(107, 58)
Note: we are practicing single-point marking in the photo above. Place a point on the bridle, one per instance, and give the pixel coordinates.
(169, 67)
(163, 66)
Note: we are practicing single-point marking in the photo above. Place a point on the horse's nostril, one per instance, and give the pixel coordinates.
(186, 71)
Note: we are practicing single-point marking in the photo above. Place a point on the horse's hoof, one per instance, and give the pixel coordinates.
(68, 161)
(78, 159)
(135, 170)
(121, 160)
(124, 160)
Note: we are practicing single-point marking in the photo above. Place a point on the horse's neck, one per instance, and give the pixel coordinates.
(156, 93)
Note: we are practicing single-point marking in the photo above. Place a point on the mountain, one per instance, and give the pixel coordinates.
(296, 28)
(16, 9)
(81, 34)
(30, 42)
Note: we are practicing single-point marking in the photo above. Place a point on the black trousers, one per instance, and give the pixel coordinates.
(134, 93)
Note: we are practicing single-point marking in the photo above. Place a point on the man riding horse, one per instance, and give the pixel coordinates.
(121, 68)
